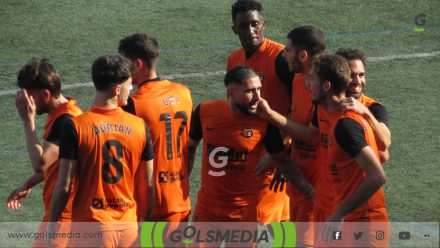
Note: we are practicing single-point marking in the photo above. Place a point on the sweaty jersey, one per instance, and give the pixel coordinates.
(166, 107)
(108, 145)
(343, 135)
(232, 146)
(275, 90)
(52, 133)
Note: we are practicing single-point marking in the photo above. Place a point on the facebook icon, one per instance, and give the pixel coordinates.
(337, 235)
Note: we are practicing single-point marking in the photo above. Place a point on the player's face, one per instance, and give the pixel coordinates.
(314, 86)
(41, 102)
(249, 27)
(247, 95)
(126, 87)
(357, 84)
(292, 57)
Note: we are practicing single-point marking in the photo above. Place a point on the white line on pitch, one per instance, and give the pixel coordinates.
(218, 73)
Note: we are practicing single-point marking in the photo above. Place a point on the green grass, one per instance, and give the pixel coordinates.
(195, 36)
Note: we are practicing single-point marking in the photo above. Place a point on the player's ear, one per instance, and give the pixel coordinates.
(116, 89)
(46, 95)
(228, 92)
(138, 63)
(303, 56)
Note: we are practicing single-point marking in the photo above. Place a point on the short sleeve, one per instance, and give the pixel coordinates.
(273, 141)
(350, 136)
(195, 131)
(55, 131)
(69, 141)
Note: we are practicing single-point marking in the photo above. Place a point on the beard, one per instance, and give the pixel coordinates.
(245, 109)
(320, 99)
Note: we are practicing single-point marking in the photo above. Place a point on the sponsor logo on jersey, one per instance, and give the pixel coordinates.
(224, 157)
(170, 176)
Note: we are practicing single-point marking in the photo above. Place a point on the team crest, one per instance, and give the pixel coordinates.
(247, 132)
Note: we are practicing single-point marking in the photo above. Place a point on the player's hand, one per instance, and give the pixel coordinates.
(332, 225)
(278, 182)
(352, 104)
(16, 197)
(265, 164)
(305, 187)
(51, 229)
(25, 106)
(263, 109)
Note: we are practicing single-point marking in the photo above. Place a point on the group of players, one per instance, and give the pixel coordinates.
(291, 112)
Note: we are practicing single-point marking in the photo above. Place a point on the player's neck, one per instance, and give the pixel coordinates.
(104, 102)
(152, 74)
(333, 103)
(250, 50)
(56, 103)
(233, 108)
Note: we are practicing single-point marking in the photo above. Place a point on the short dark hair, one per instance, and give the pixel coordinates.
(141, 46)
(237, 74)
(308, 38)
(110, 70)
(39, 74)
(245, 5)
(335, 69)
(352, 54)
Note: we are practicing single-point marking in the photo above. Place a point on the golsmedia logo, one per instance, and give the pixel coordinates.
(420, 21)
(158, 234)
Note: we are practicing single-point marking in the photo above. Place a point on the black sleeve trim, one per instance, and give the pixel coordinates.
(380, 113)
(69, 141)
(148, 152)
(195, 131)
(273, 141)
(130, 106)
(55, 132)
(282, 71)
(315, 121)
(350, 136)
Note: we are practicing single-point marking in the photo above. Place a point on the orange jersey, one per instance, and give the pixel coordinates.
(263, 62)
(51, 173)
(166, 107)
(346, 174)
(108, 146)
(367, 101)
(232, 146)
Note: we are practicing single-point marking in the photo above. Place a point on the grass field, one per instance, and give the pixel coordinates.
(195, 37)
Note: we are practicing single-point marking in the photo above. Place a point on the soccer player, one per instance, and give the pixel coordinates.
(105, 150)
(233, 138)
(374, 111)
(303, 43)
(166, 107)
(266, 58)
(349, 149)
(40, 93)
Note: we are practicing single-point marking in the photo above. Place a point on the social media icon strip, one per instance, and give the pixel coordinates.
(357, 235)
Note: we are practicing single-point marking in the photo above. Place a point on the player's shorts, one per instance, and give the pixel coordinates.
(272, 206)
(173, 217)
(221, 214)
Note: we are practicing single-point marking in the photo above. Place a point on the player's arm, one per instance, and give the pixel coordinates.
(308, 134)
(144, 192)
(274, 145)
(381, 131)
(67, 170)
(17, 195)
(350, 136)
(195, 135)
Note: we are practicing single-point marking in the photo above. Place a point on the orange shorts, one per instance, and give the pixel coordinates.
(272, 206)
(173, 217)
(64, 228)
(221, 214)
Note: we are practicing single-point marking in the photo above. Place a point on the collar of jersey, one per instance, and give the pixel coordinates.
(105, 111)
(150, 80)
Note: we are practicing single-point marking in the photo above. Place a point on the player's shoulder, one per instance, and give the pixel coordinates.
(235, 54)
(351, 118)
(180, 87)
(273, 46)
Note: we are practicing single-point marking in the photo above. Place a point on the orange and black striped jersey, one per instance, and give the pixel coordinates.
(167, 107)
(52, 133)
(273, 70)
(108, 145)
(232, 146)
